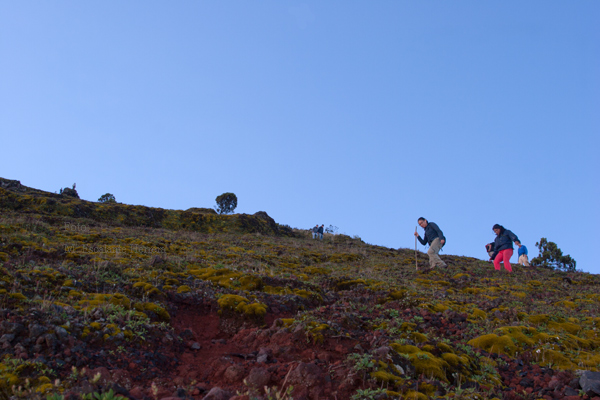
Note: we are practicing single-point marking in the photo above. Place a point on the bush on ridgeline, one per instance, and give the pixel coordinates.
(332, 229)
(552, 257)
(226, 203)
(107, 198)
(71, 192)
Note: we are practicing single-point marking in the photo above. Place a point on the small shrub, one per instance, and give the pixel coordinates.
(551, 256)
(107, 198)
(71, 192)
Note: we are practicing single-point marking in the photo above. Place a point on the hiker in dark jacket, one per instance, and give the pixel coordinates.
(321, 229)
(503, 247)
(436, 240)
(315, 231)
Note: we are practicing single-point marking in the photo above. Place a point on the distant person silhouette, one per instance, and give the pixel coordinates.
(321, 229)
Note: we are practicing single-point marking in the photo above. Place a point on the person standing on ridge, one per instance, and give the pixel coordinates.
(436, 240)
(315, 231)
(503, 247)
(523, 257)
(321, 229)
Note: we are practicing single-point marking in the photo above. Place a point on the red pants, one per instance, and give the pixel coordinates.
(505, 256)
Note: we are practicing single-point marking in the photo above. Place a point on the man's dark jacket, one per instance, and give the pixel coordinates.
(432, 231)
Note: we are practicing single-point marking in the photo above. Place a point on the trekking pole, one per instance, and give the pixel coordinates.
(416, 265)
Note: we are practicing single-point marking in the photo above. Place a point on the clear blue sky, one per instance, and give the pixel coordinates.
(361, 114)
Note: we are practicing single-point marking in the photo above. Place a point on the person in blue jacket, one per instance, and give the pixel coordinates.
(503, 247)
(436, 240)
(523, 255)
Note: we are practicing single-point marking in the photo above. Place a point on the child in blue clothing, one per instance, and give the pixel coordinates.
(523, 258)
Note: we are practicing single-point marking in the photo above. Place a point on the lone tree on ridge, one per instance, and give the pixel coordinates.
(226, 203)
(551, 256)
(107, 198)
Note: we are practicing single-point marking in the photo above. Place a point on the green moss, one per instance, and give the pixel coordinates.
(414, 395)
(17, 296)
(44, 388)
(184, 289)
(455, 360)
(495, 344)
(444, 347)
(538, 319)
(386, 377)
(349, 284)
(418, 337)
(478, 314)
(256, 309)
(564, 326)
(521, 334)
(427, 388)
(423, 361)
(548, 357)
(157, 310)
(96, 326)
(239, 304)
(566, 303)
(316, 271)
(437, 307)
(458, 276)
(404, 348)
(119, 299)
(42, 380)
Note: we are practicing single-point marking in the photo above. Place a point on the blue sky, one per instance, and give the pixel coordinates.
(363, 115)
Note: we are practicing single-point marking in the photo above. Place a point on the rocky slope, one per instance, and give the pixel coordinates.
(143, 303)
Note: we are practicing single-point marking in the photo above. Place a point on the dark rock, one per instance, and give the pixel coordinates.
(258, 377)
(36, 331)
(51, 341)
(58, 309)
(569, 391)
(234, 373)
(525, 382)
(217, 393)
(307, 375)
(61, 333)
(590, 382)
(187, 334)
(14, 328)
(574, 383)
(264, 354)
(7, 338)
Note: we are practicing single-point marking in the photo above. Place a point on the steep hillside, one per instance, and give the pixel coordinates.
(151, 303)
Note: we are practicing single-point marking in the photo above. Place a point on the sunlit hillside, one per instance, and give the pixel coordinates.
(107, 300)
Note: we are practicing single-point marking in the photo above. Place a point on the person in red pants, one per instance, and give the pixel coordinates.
(503, 247)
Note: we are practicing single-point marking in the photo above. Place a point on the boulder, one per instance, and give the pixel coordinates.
(234, 373)
(590, 382)
(258, 377)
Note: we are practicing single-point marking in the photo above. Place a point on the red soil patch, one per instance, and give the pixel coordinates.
(263, 356)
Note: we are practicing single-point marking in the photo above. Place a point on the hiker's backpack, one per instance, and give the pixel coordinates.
(490, 249)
